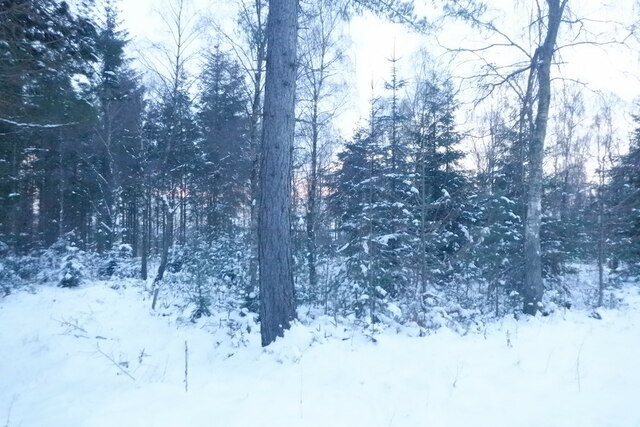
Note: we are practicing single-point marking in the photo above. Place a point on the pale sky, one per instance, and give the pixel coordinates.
(609, 69)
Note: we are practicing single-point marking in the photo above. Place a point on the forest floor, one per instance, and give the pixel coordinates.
(98, 356)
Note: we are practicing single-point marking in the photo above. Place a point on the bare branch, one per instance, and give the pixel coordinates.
(118, 365)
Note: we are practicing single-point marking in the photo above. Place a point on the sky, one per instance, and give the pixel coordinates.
(608, 69)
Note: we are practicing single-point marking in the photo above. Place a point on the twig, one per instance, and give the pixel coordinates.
(455, 380)
(114, 362)
(13, 400)
(69, 324)
(155, 295)
(578, 366)
(186, 367)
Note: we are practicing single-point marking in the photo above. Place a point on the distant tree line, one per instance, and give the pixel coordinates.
(387, 223)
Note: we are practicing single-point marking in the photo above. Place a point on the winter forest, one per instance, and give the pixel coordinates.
(192, 215)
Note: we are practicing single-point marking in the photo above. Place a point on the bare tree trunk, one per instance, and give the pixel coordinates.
(601, 238)
(277, 299)
(256, 110)
(319, 56)
(603, 146)
(541, 65)
(423, 219)
(311, 208)
(61, 189)
(255, 172)
(146, 234)
(167, 241)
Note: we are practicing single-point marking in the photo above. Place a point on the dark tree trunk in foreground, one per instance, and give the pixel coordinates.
(541, 66)
(277, 300)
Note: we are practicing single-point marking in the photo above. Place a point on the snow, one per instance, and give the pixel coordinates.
(342, 248)
(65, 352)
(466, 233)
(35, 125)
(507, 200)
(384, 240)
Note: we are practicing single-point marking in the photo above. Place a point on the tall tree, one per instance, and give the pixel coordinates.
(541, 71)
(116, 143)
(174, 127)
(623, 195)
(225, 146)
(318, 101)
(249, 44)
(604, 139)
(45, 112)
(438, 184)
(360, 201)
(535, 98)
(277, 296)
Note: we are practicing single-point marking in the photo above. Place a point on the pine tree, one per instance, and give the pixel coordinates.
(225, 147)
(277, 294)
(438, 186)
(359, 185)
(497, 257)
(115, 154)
(173, 135)
(623, 195)
(372, 218)
(47, 53)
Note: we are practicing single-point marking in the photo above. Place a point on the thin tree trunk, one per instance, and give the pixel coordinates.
(600, 251)
(256, 110)
(311, 207)
(61, 189)
(601, 220)
(167, 240)
(146, 234)
(277, 299)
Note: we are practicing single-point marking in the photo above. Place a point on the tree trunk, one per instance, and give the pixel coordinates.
(603, 154)
(541, 65)
(146, 234)
(256, 111)
(312, 202)
(601, 242)
(277, 299)
(167, 241)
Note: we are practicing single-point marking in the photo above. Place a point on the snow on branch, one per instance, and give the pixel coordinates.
(36, 125)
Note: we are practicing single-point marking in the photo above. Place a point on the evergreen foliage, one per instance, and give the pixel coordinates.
(623, 195)
(102, 177)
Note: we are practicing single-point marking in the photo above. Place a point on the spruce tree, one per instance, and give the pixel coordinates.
(225, 168)
(623, 195)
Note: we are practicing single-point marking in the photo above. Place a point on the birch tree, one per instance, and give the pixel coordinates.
(319, 101)
(553, 27)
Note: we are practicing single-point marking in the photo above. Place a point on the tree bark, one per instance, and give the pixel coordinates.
(541, 65)
(277, 299)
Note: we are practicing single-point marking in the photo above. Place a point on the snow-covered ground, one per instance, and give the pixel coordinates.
(97, 356)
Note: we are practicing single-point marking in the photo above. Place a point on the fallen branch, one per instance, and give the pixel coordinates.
(75, 326)
(13, 400)
(114, 362)
(186, 367)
